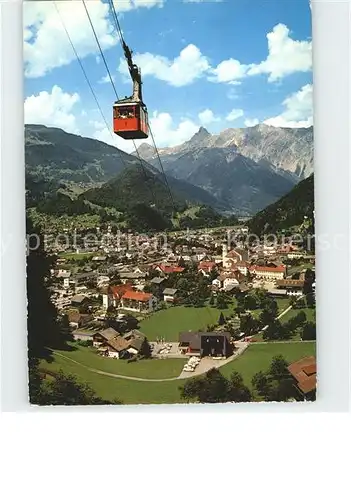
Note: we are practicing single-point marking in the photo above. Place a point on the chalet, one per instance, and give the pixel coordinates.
(169, 294)
(228, 279)
(81, 335)
(99, 338)
(205, 344)
(114, 347)
(79, 300)
(77, 320)
(123, 346)
(133, 277)
(304, 373)
(136, 341)
(138, 301)
(206, 266)
(157, 281)
(83, 278)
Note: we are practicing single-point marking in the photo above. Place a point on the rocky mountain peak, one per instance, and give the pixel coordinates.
(200, 135)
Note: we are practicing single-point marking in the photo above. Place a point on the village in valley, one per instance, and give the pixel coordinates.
(168, 308)
(169, 192)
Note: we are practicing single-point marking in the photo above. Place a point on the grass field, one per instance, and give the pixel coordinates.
(169, 322)
(310, 314)
(77, 256)
(281, 303)
(148, 368)
(258, 357)
(255, 358)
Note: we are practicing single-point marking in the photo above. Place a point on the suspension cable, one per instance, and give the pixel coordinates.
(86, 77)
(116, 93)
(124, 45)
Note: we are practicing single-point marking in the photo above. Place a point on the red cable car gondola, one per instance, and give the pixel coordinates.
(130, 119)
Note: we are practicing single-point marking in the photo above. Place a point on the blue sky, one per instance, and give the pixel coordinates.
(203, 63)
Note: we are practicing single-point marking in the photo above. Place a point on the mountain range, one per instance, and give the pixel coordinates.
(237, 171)
(246, 168)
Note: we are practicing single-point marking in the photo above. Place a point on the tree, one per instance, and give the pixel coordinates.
(221, 319)
(261, 383)
(248, 324)
(190, 390)
(269, 312)
(279, 368)
(309, 331)
(221, 302)
(146, 350)
(239, 310)
(238, 392)
(274, 331)
(212, 300)
(43, 328)
(65, 328)
(65, 390)
(214, 388)
(310, 300)
(276, 384)
(250, 302)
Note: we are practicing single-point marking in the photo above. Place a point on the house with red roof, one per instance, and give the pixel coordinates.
(304, 372)
(167, 269)
(133, 300)
(112, 295)
(206, 266)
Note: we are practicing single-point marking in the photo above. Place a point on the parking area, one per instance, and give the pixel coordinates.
(166, 350)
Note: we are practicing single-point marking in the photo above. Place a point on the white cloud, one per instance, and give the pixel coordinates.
(167, 133)
(46, 45)
(234, 115)
(52, 109)
(298, 110)
(184, 69)
(101, 133)
(126, 5)
(251, 122)
(229, 71)
(285, 55)
(207, 116)
(106, 79)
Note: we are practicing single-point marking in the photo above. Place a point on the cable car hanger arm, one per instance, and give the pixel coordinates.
(134, 72)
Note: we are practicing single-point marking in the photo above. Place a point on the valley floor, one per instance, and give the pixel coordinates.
(80, 361)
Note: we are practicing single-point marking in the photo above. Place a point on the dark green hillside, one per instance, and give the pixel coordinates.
(289, 211)
(58, 155)
(133, 186)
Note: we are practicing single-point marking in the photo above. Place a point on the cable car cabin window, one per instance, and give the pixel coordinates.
(125, 112)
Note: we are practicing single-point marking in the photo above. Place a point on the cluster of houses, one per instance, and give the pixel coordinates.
(227, 268)
(113, 344)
